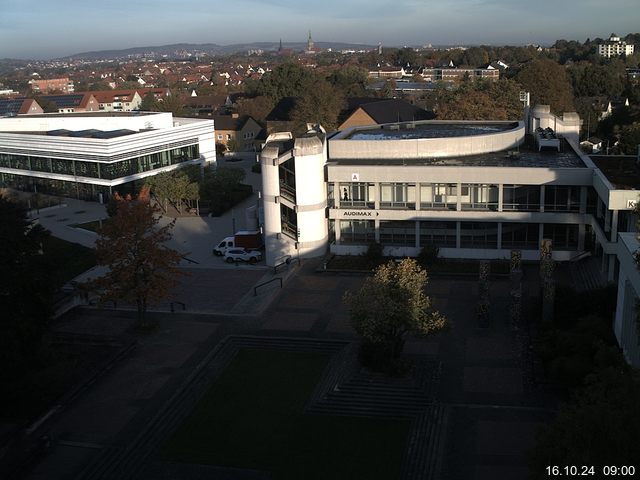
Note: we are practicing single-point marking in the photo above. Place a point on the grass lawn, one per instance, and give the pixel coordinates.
(252, 417)
(67, 259)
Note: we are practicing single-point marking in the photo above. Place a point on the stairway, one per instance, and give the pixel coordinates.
(586, 275)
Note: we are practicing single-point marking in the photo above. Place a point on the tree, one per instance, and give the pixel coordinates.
(599, 427)
(222, 189)
(480, 100)
(286, 80)
(141, 268)
(149, 103)
(26, 290)
(175, 188)
(389, 306)
(548, 83)
(257, 107)
(320, 104)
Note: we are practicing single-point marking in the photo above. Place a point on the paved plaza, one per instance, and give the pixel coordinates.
(487, 406)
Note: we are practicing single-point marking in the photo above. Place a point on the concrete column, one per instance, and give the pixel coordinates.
(377, 230)
(500, 234)
(459, 198)
(607, 222)
(337, 230)
(540, 234)
(418, 196)
(614, 225)
(583, 199)
(500, 200)
(458, 242)
(376, 201)
(541, 200)
(620, 306)
(417, 234)
(612, 268)
(581, 233)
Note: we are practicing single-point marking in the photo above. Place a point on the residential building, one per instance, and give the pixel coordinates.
(92, 155)
(10, 107)
(72, 102)
(63, 85)
(457, 74)
(614, 47)
(374, 111)
(239, 132)
(118, 100)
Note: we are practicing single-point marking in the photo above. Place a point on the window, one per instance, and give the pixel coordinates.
(398, 195)
(525, 198)
(560, 198)
(437, 196)
(479, 197)
(357, 195)
(398, 233)
(478, 235)
(439, 234)
(228, 136)
(523, 236)
(360, 232)
(563, 236)
(289, 222)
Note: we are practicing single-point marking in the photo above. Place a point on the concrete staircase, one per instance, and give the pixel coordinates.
(586, 275)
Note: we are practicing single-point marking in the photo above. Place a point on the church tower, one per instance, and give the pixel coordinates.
(309, 43)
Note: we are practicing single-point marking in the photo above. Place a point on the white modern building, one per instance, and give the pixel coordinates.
(614, 47)
(474, 189)
(92, 155)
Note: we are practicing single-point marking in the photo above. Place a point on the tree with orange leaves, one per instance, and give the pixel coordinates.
(142, 269)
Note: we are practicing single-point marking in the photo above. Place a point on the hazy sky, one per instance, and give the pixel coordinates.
(53, 28)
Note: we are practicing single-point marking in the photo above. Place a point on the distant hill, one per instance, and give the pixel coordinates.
(181, 49)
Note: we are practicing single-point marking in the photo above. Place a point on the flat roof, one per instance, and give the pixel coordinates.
(527, 155)
(407, 131)
(100, 113)
(621, 170)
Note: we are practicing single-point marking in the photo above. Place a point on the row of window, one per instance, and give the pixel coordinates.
(445, 196)
(523, 236)
(107, 171)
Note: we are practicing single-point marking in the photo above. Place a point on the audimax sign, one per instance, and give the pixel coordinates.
(360, 213)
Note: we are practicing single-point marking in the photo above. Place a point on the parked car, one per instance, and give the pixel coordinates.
(242, 255)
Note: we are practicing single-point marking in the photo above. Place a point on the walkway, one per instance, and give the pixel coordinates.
(486, 409)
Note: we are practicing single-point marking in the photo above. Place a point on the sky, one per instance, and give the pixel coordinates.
(41, 29)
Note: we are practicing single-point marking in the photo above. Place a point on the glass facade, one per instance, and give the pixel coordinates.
(357, 195)
(395, 232)
(523, 198)
(289, 219)
(563, 236)
(439, 196)
(523, 236)
(479, 197)
(398, 195)
(102, 170)
(439, 234)
(561, 198)
(360, 232)
(478, 235)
